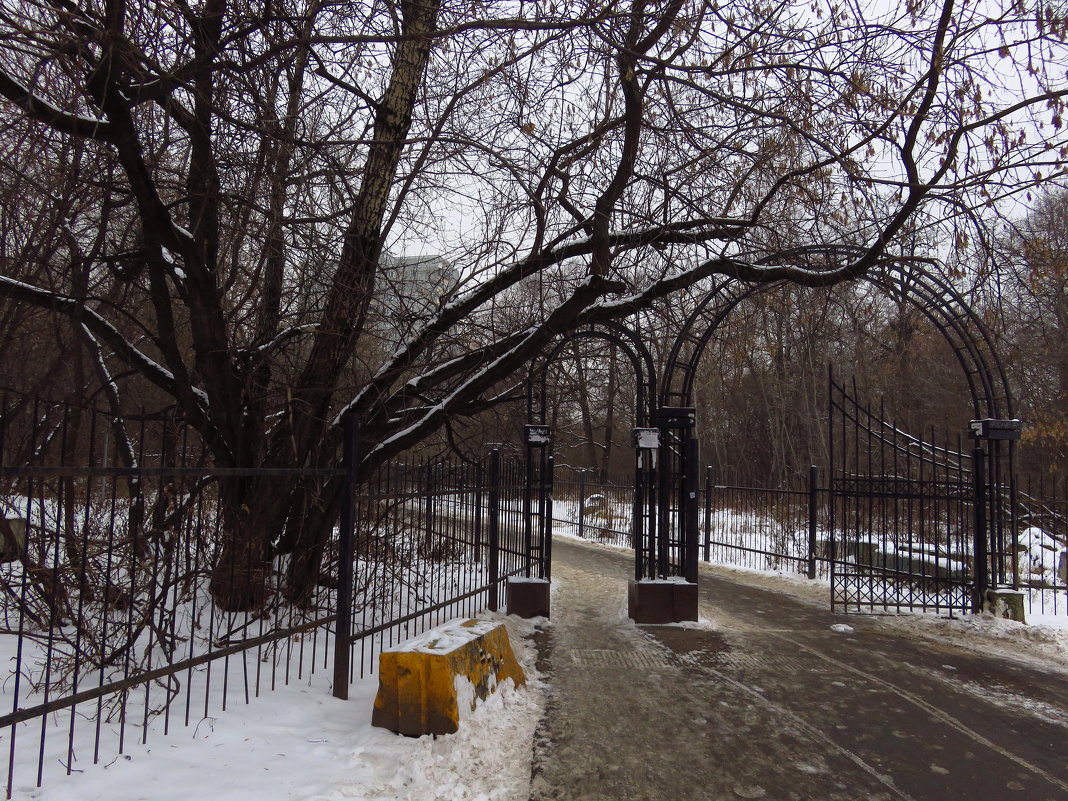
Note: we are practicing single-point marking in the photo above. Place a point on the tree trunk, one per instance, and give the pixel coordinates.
(253, 514)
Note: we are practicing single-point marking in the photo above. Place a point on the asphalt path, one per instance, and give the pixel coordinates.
(779, 699)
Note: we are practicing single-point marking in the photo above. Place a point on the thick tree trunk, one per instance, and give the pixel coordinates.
(346, 307)
(314, 512)
(239, 577)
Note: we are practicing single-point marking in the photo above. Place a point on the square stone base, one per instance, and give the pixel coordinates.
(528, 597)
(1006, 603)
(661, 601)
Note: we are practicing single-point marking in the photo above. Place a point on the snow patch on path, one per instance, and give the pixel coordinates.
(1039, 643)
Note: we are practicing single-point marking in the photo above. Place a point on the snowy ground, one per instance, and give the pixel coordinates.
(301, 743)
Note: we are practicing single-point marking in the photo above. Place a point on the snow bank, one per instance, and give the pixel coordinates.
(301, 743)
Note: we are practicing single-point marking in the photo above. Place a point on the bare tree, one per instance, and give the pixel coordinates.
(1030, 273)
(247, 165)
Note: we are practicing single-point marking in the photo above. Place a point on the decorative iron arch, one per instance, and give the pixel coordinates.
(615, 333)
(644, 519)
(993, 457)
(967, 335)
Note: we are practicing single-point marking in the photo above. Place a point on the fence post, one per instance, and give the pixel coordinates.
(494, 528)
(346, 555)
(637, 517)
(547, 543)
(689, 511)
(979, 552)
(480, 484)
(708, 513)
(428, 520)
(812, 507)
(582, 503)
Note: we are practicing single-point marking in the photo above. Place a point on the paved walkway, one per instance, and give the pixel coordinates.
(773, 703)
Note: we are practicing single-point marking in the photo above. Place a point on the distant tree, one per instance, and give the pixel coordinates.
(1031, 276)
(222, 179)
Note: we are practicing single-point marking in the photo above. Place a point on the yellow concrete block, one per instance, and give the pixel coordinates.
(424, 684)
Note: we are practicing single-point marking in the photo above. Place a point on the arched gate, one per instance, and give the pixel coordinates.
(665, 517)
(873, 466)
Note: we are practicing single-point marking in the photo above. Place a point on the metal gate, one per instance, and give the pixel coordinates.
(906, 514)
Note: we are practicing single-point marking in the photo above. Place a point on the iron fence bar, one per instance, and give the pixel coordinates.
(813, 477)
(494, 528)
(58, 704)
(654, 470)
(394, 623)
(803, 560)
(689, 505)
(480, 488)
(1014, 528)
(708, 513)
(764, 490)
(979, 551)
(637, 513)
(528, 522)
(582, 503)
(832, 468)
(547, 520)
(170, 472)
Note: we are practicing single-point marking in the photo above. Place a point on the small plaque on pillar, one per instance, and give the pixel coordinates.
(537, 435)
(646, 439)
(676, 417)
(995, 429)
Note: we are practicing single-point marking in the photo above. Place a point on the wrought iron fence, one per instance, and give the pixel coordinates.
(765, 528)
(788, 529)
(918, 537)
(1042, 543)
(587, 507)
(112, 551)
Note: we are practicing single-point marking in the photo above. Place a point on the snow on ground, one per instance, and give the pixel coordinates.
(1043, 642)
(299, 742)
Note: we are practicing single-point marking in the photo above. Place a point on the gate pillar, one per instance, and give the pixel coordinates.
(537, 502)
(665, 587)
(993, 557)
(528, 595)
(644, 516)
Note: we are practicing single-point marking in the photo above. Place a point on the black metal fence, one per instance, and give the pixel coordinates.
(789, 529)
(905, 513)
(1042, 544)
(588, 507)
(766, 528)
(114, 537)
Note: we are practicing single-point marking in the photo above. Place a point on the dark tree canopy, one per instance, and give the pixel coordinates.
(203, 195)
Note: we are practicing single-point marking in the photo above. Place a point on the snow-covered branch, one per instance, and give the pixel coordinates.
(41, 110)
(101, 329)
